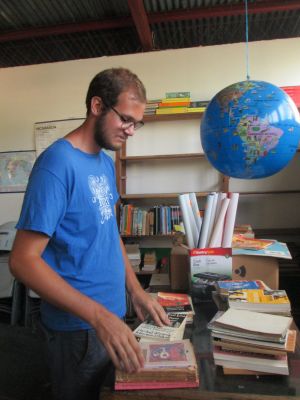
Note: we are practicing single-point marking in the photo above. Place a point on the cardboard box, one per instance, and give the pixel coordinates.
(208, 265)
(180, 268)
(256, 267)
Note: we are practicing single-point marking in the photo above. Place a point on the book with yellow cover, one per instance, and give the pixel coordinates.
(260, 300)
(171, 110)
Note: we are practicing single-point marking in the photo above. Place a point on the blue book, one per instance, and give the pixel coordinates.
(224, 287)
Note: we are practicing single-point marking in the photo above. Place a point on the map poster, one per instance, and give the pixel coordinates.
(15, 167)
(49, 131)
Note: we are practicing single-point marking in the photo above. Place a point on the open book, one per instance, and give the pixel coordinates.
(150, 332)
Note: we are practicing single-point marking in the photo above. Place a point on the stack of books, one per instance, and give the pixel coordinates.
(150, 261)
(151, 106)
(167, 365)
(134, 255)
(247, 342)
(174, 103)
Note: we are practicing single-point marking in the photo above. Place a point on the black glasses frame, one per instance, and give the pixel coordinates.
(126, 123)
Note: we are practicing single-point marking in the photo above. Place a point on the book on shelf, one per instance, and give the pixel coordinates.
(171, 110)
(196, 109)
(159, 282)
(176, 103)
(245, 230)
(134, 255)
(148, 331)
(149, 261)
(167, 365)
(178, 95)
(224, 287)
(260, 300)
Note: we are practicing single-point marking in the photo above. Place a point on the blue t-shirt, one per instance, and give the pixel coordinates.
(71, 197)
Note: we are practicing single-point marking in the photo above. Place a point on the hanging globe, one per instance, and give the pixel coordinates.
(250, 130)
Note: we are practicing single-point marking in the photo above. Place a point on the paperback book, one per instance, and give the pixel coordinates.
(177, 303)
(277, 364)
(224, 287)
(150, 332)
(260, 300)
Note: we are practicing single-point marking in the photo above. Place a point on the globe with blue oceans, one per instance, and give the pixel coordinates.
(250, 130)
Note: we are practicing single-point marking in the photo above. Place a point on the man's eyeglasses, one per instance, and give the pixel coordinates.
(128, 123)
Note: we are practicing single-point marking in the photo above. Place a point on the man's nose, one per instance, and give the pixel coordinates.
(130, 130)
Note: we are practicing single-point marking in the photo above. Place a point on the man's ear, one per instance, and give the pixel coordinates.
(96, 106)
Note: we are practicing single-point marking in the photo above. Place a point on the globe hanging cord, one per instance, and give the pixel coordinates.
(247, 40)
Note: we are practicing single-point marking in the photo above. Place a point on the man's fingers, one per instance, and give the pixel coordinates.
(126, 355)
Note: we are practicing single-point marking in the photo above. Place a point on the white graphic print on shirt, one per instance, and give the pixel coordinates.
(101, 193)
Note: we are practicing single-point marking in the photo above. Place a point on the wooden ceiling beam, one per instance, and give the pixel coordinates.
(140, 19)
(114, 23)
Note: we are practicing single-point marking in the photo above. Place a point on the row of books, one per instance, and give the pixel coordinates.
(170, 360)
(158, 220)
(216, 228)
(248, 342)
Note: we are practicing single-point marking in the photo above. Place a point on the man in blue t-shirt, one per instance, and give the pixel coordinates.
(68, 249)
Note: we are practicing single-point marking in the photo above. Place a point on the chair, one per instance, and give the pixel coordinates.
(10, 292)
(32, 307)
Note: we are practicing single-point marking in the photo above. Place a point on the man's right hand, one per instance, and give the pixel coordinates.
(120, 343)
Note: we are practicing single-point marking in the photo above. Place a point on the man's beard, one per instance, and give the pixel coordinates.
(100, 134)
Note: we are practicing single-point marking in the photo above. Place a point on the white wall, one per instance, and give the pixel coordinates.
(57, 91)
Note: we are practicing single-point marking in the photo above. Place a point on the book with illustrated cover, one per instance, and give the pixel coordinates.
(167, 365)
(260, 300)
(177, 303)
(242, 242)
(224, 287)
(276, 249)
(149, 331)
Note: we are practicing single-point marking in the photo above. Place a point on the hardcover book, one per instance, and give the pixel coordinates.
(167, 365)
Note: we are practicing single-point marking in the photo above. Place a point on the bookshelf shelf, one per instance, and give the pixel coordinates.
(162, 157)
(156, 196)
(172, 117)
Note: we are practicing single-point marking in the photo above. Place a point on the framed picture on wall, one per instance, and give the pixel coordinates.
(15, 167)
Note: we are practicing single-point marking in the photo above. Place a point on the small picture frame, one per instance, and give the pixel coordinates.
(15, 168)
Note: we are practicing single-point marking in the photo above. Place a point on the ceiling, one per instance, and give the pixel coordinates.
(43, 31)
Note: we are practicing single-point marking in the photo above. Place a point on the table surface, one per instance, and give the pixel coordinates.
(213, 383)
